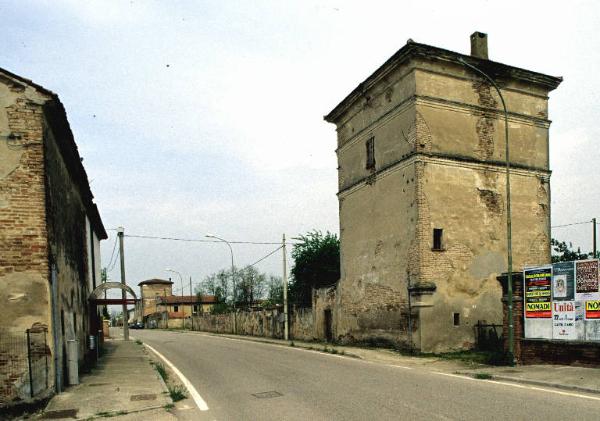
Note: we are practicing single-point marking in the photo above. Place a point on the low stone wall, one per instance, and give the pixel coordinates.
(268, 323)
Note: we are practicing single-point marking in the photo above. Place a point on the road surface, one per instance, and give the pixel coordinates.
(245, 380)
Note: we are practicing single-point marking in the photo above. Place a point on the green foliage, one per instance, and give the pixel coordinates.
(316, 265)
(177, 393)
(161, 370)
(561, 252)
(483, 376)
(274, 291)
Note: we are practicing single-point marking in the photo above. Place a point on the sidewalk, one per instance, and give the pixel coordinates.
(580, 379)
(122, 383)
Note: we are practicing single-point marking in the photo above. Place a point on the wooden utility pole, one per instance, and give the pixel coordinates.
(121, 233)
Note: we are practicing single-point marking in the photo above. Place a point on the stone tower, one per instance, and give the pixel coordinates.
(422, 194)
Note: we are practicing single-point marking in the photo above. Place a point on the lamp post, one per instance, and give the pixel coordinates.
(509, 289)
(232, 276)
(180, 278)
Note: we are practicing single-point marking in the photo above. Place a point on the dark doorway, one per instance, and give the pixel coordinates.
(328, 332)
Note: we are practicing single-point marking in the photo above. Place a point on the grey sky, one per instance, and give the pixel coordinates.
(206, 116)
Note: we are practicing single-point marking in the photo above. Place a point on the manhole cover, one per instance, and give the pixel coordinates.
(267, 395)
(60, 413)
(146, 397)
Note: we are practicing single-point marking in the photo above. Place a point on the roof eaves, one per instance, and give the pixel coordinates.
(416, 49)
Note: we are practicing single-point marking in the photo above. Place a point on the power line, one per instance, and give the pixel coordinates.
(113, 253)
(263, 258)
(574, 223)
(196, 240)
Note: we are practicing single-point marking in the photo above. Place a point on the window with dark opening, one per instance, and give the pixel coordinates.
(371, 153)
(195, 308)
(175, 309)
(437, 238)
(456, 319)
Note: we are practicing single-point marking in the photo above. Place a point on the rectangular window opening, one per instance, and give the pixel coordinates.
(437, 238)
(175, 309)
(370, 153)
(456, 319)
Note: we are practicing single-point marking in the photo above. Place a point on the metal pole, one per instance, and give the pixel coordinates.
(232, 279)
(594, 236)
(29, 363)
(192, 306)
(285, 291)
(511, 328)
(120, 233)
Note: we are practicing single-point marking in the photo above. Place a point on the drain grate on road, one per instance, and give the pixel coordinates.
(146, 397)
(60, 414)
(267, 395)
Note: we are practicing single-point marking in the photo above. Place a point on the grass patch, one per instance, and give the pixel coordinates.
(334, 351)
(161, 370)
(483, 376)
(169, 406)
(137, 341)
(292, 344)
(177, 393)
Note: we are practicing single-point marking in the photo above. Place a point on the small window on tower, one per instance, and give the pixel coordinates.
(370, 153)
(456, 319)
(437, 239)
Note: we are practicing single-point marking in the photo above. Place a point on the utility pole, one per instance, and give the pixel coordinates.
(285, 295)
(121, 233)
(594, 236)
(192, 304)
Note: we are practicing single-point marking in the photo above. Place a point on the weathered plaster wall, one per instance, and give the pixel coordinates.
(377, 231)
(66, 220)
(24, 292)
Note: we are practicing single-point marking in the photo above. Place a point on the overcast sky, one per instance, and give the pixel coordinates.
(207, 116)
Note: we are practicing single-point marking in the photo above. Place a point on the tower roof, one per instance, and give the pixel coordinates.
(413, 49)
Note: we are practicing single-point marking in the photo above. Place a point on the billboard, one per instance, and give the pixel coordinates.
(586, 280)
(563, 281)
(538, 292)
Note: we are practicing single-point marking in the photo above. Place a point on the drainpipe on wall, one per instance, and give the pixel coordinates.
(55, 333)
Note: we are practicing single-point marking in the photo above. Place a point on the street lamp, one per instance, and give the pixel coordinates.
(509, 291)
(232, 275)
(180, 278)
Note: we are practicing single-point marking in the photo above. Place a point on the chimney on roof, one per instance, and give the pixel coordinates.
(479, 47)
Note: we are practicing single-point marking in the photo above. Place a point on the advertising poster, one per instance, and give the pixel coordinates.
(592, 310)
(538, 293)
(564, 320)
(586, 280)
(563, 281)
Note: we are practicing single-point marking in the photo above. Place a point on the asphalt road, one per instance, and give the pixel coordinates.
(233, 375)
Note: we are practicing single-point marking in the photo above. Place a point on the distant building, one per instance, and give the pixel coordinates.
(181, 307)
(150, 290)
(422, 195)
(50, 232)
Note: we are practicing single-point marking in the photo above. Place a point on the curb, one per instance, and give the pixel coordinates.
(537, 383)
(283, 343)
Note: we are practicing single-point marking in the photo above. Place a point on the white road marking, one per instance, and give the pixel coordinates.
(202, 406)
(521, 386)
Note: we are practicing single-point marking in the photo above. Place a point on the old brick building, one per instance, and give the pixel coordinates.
(50, 230)
(422, 194)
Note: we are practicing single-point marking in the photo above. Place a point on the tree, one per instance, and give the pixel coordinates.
(250, 286)
(316, 265)
(274, 291)
(561, 252)
(218, 285)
